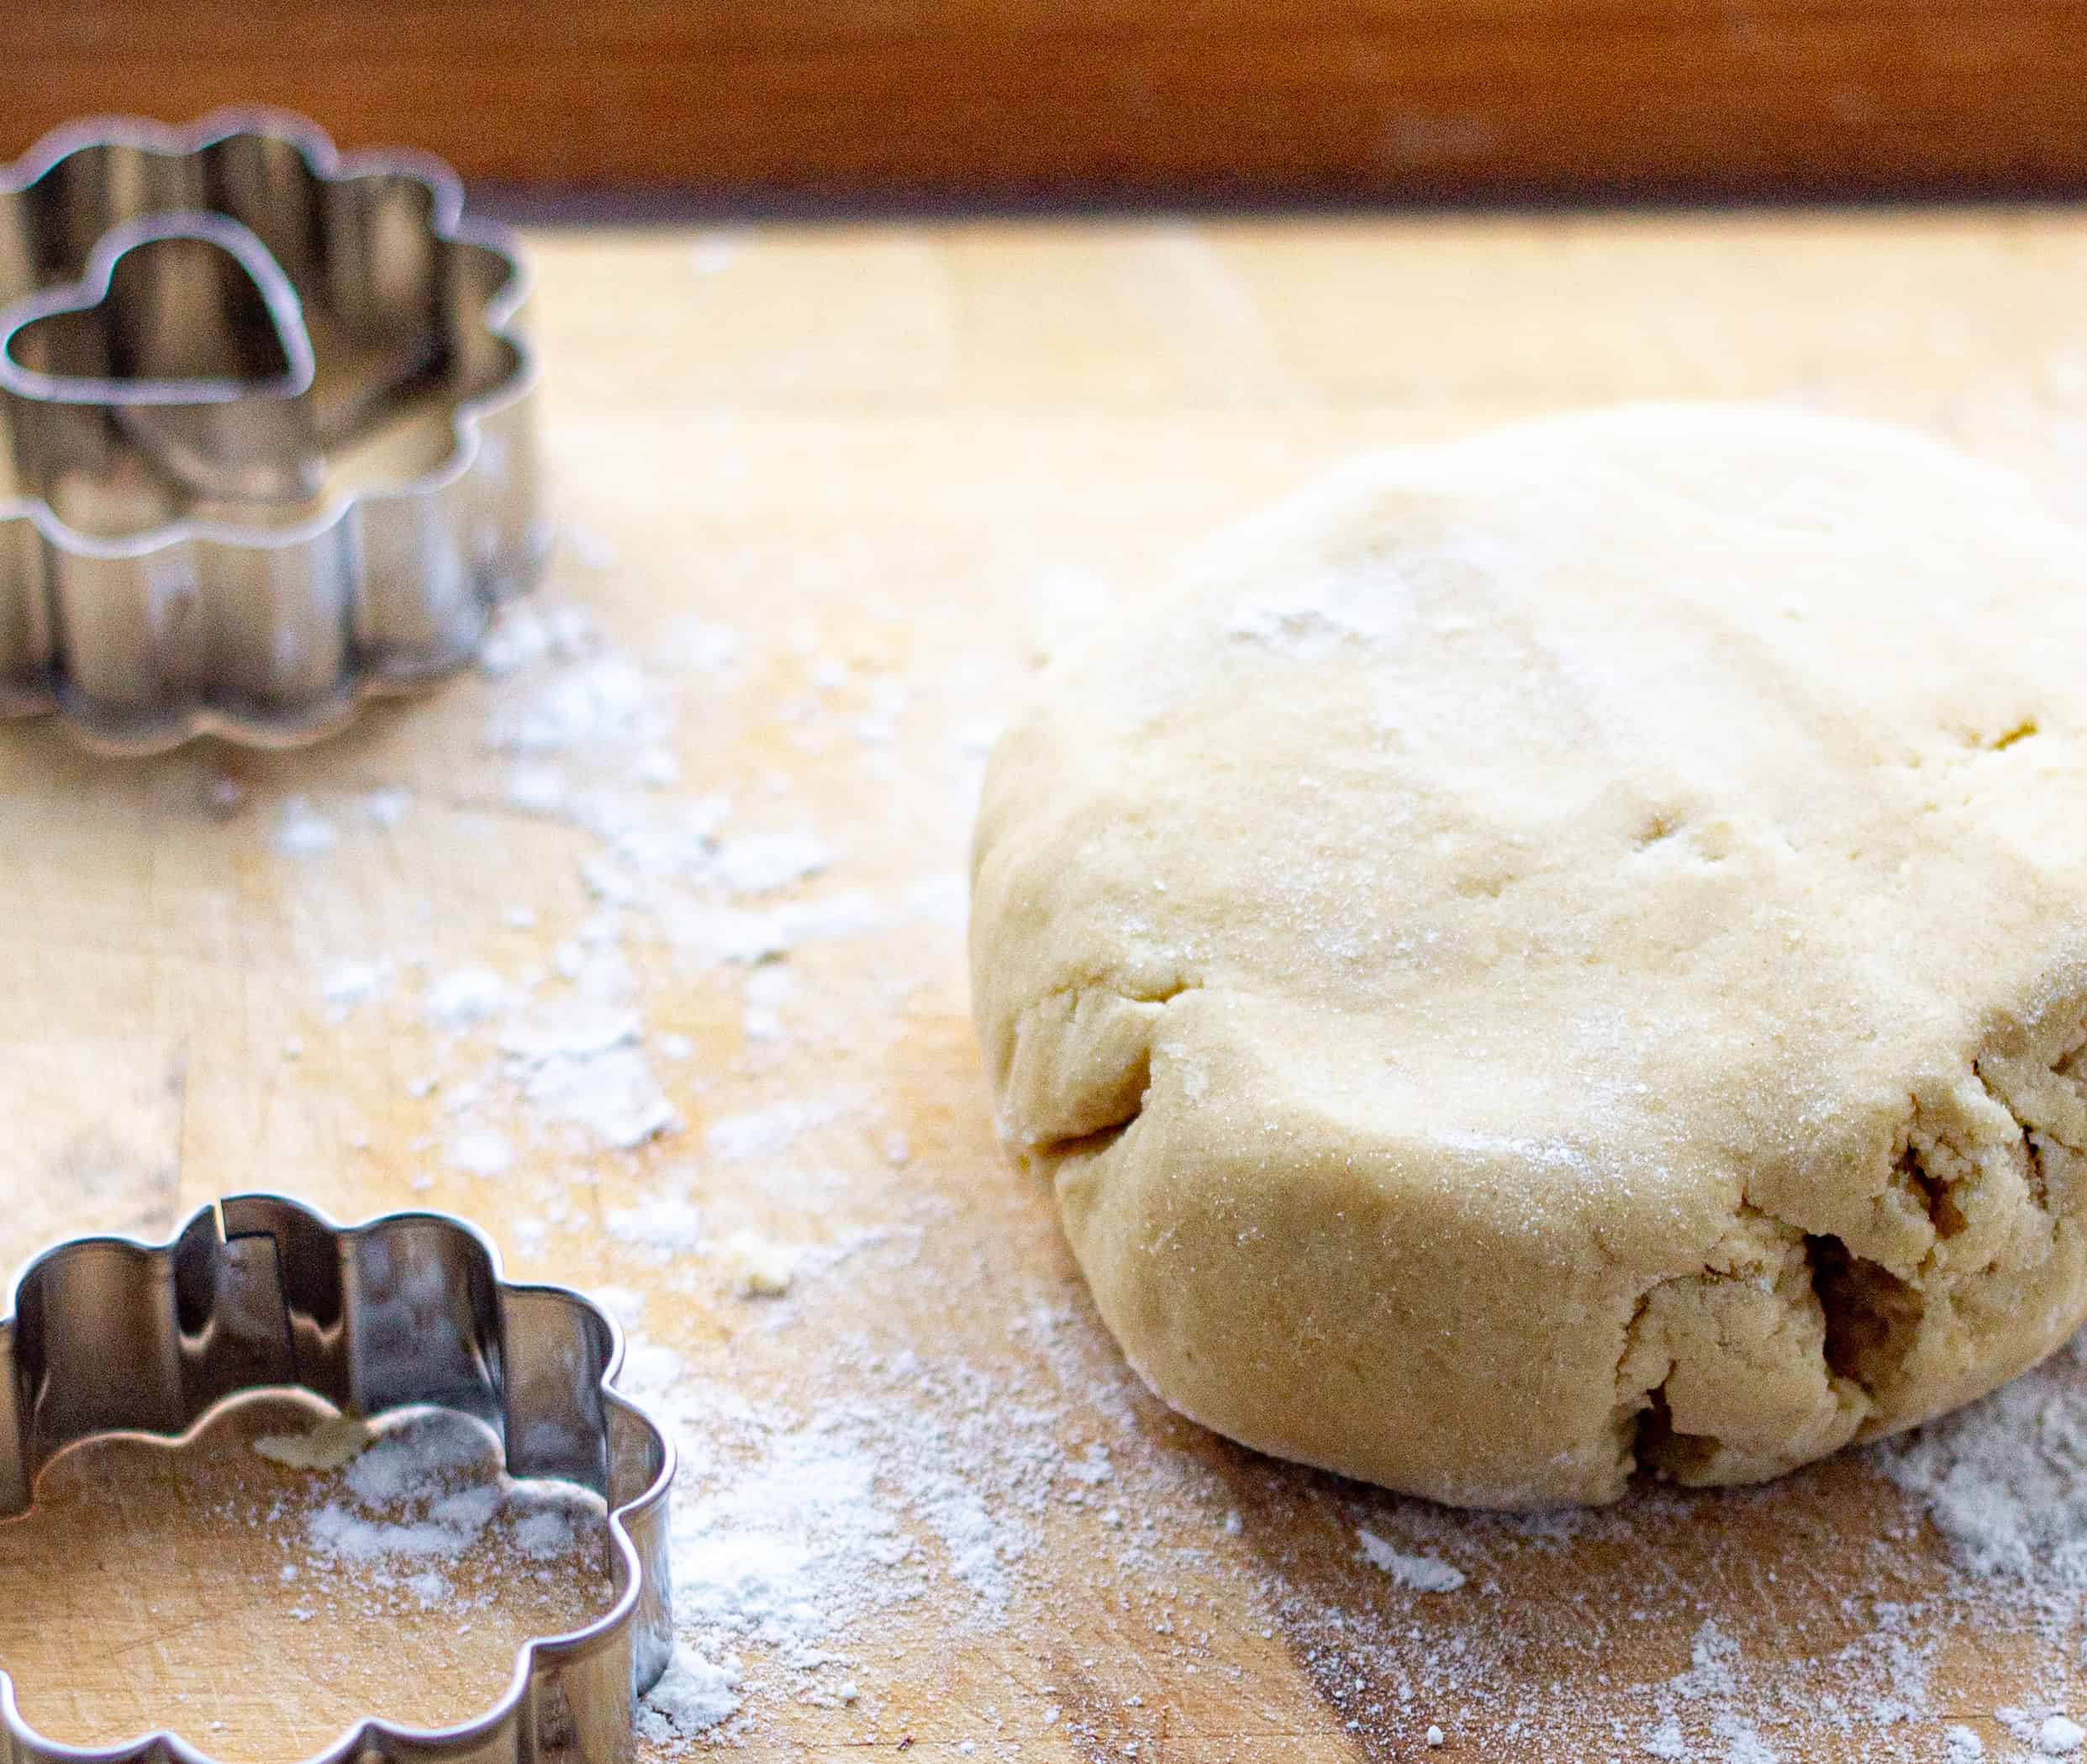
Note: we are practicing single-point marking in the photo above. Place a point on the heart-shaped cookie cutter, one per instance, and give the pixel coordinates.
(195, 537)
(258, 1292)
(219, 432)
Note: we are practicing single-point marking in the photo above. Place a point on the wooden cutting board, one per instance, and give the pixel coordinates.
(827, 494)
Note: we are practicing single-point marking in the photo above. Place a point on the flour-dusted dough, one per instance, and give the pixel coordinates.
(1567, 951)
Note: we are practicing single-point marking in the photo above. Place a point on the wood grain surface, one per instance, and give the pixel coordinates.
(1017, 99)
(884, 468)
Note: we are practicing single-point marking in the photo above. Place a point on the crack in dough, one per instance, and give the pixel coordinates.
(1079, 1062)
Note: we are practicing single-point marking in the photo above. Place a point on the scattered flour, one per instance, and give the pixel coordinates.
(302, 831)
(386, 806)
(1742, 1744)
(975, 736)
(536, 790)
(666, 1226)
(765, 1132)
(576, 1028)
(941, 900)
(591, 550)
(465, 998)
(1418, 1573)
(605, 698)
(479, 1152)
(729, 935)
(656, 766)
(420, 1490)
(2005, 1480)
(578, 1061)
(761, 864)
(613, 1095)
(348, 984)
(2059, 1736)
(701, 646)
(1665, 1740)
(793, 1549)
(789, 1533)
(693, 1696)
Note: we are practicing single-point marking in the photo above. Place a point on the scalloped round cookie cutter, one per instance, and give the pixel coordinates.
(266, 441)
(111, 1335)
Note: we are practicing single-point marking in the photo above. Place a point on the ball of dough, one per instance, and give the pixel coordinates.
(1565, 953)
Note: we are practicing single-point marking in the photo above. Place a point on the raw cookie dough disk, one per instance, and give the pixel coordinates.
(1563, 951)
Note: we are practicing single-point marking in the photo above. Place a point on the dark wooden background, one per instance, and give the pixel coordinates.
(1118, 99)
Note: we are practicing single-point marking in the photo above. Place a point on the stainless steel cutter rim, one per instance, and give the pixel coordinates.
(446, 221)
(350, 1744)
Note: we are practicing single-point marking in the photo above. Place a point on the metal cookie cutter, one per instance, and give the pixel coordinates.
(266, 442)
(110, 1335)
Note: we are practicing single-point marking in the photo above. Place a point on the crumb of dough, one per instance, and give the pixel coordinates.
(760, 1267)
(328, 1446)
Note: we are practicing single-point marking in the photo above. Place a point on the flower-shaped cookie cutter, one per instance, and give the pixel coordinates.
(266, 436)
(257, 1292)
